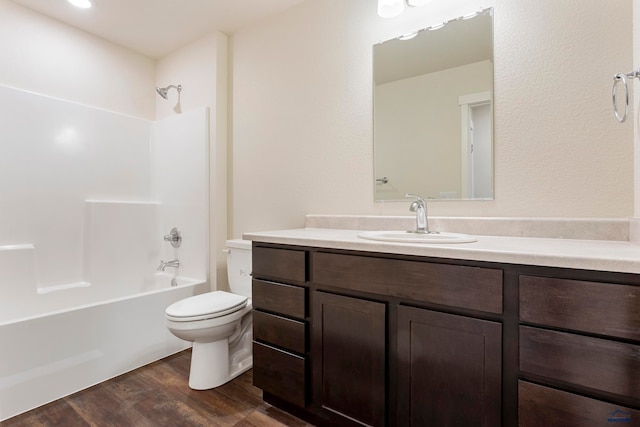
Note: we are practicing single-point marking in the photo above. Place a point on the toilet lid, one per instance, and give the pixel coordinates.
(206, 306)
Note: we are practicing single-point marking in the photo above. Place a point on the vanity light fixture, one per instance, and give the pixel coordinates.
(408, 36)
(461, 18)
(471, 15)
(437, 26)
(82, 4)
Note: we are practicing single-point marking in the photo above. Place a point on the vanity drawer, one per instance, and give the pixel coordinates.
(281, 264)
(465, 287)
(600, 308)
(279, 331)
(596, 363)
(278, 298)
(280, 373)
(544, 406)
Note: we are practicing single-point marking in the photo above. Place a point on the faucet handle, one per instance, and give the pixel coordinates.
(174, 237)
(418, 198)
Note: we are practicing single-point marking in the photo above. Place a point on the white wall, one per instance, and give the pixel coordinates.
(302, 116)
(45, 56)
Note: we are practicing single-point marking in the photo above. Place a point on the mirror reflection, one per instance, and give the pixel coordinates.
(433, 112)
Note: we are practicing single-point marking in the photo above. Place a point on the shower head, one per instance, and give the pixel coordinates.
(162, 91)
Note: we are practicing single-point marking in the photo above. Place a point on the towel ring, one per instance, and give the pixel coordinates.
(620, 77)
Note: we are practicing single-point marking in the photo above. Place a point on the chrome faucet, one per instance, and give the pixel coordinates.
(174, 237)
(164, 264)
(419, 206)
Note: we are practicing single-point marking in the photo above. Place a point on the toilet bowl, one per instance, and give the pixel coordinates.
(219, 324)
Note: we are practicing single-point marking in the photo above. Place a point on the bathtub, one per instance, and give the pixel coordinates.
(56, 351)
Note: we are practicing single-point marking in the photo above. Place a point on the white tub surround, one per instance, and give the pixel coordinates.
(86, 196)
(601, 255)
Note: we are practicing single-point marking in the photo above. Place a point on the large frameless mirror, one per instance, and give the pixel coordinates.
(433, 112)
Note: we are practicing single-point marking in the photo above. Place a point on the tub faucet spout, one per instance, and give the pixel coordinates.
(164, 264)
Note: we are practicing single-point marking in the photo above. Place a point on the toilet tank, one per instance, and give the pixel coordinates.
(239, 266)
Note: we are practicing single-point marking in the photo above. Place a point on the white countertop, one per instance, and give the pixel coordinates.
(601, 255)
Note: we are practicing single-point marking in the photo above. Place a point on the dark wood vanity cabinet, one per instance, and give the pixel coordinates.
(346, 338)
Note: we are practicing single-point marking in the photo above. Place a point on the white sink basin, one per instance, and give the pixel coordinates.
(407, 237)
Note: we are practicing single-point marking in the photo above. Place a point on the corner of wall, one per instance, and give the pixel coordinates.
(634, 230)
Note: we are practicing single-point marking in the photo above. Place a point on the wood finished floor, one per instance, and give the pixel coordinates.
(157, 395)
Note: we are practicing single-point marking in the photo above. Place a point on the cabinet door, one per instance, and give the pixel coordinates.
(449, 370)
(349, 359)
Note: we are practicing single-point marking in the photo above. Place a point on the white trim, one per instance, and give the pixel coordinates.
(475, 98)
(466, 102)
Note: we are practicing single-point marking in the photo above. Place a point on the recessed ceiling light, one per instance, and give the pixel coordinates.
(469, 15)
(83, 4)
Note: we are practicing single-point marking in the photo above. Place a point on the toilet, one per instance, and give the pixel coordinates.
(219, 324)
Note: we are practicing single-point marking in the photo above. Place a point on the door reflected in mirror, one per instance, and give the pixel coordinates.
(433, 112)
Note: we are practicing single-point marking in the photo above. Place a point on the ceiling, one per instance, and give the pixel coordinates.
(157, 27)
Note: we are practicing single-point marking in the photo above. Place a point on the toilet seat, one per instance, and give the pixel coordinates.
(205, 306)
